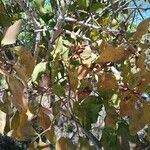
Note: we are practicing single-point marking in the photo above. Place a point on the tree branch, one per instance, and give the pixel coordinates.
(29, 14)
(138, 9)
(58, 27)
(78, 35)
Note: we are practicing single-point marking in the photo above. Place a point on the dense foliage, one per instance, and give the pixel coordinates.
(73, 73)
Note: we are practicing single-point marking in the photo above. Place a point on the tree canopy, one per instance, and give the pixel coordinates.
(73, 74)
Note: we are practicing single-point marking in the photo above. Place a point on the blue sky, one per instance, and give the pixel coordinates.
(138, 18)
(145, 14)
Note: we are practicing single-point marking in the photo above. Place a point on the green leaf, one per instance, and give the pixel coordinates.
(109, 139)
(58, 90)
(38, 71)
(83, 4)
(58, 47)
(40, 6)
(5, 20)
(56, 107)
(124, 133)
(85, 144)
(97, 7)
(90, 108)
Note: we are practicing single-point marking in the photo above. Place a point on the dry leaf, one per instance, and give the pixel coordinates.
(25, 129)
(140, 61)
(25, 64)
(11, 34)
(43, 146)
(19, 98)
(82, 72)
(136, 121)
(73, 78)
(62, 144)
(2, 121)
(141, 29)
(111, 118)
(146, 111)
(127, 104)
(107, 81)
(46, 123)
(111, 54)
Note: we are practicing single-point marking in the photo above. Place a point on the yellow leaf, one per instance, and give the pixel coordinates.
(26, 62)
(11, 34)
(58, 47)
(15, 120)
(87, 56)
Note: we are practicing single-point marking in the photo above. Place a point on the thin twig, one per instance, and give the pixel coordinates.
(58, 27)
(138, 9)
(88, 134)
(121, 7)
(29, 13)
(37, 42)
(78, 35)
(82, 23)
(133, 19)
